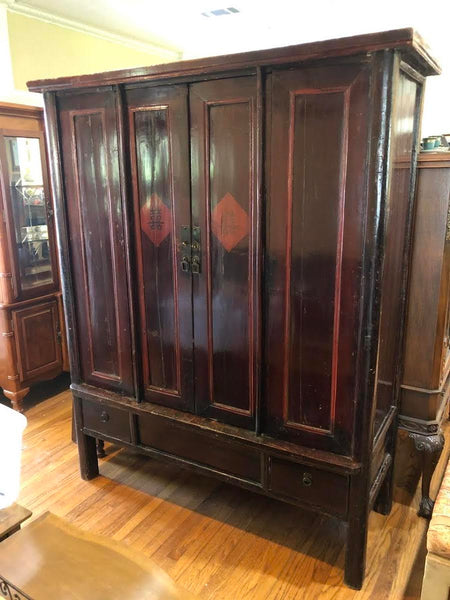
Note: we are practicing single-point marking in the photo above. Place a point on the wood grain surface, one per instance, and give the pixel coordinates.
(52, 559)
(215, 540)
(11, 518)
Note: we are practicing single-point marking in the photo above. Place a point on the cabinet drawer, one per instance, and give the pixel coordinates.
(324, 490)
(196, 446)
(106, 419)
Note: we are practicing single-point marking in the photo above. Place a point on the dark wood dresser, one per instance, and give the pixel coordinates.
(233, 236)
(32, 339)
(425, 387)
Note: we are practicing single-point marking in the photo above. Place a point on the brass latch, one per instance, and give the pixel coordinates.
(191, 260)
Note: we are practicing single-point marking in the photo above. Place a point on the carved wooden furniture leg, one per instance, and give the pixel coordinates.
(17, 398)
(87, 447)
(430, 448)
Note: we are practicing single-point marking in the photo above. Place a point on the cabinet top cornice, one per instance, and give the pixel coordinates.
(407, 41)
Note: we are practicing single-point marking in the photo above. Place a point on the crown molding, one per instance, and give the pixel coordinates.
(23, 9)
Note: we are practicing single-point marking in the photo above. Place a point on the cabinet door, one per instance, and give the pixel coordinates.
(224, 218)
(96, 231)
(38, 340)
(317, 144)
(159, 150)
(29, 211)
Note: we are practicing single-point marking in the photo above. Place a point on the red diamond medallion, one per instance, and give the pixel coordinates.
(156, 219)
(229, 222)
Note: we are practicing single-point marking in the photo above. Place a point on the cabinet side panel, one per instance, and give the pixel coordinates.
(427, 269)
(90, 162)
(397, 222)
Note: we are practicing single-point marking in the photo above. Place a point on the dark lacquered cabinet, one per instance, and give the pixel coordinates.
(426, 385)
(234, 242)
(32, 340)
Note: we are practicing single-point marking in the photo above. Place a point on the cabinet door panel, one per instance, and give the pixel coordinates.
(317, 140)
(223, 197)
(37, 337)
(28, 212)
(94, 205)
(159, 150)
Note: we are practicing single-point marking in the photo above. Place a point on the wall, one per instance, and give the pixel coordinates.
(43, 50)
(57, 51)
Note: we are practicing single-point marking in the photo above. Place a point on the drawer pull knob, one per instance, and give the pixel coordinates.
(104, 417)
(307, 479)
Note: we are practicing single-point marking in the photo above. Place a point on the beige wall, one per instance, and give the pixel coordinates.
(42, 50)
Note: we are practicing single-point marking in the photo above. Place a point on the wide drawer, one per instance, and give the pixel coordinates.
(199, 447)
(324, 490)
(111, 421)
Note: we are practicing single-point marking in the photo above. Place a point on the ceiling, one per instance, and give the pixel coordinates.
(258, 24)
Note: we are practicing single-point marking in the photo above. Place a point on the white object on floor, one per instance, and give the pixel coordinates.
(12, 424)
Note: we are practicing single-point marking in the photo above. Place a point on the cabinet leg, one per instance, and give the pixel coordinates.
(17, 398)
(430, 449)
(355, 553)
(383, 503)
(74, 432)
(101, 448)
(87, 447)
(87, 452)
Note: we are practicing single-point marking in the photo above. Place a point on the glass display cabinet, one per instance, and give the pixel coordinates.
(32, 341)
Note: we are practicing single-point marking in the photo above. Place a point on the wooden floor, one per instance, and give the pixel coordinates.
(213, 539)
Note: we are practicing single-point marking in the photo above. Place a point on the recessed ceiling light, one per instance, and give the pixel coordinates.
(219, 12)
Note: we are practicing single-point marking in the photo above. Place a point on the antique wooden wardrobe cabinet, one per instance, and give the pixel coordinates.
(234, 234)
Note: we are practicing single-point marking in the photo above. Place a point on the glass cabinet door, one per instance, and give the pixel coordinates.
(29, 209)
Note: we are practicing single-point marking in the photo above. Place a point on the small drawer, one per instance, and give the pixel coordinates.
(106, 419)
(323, 490)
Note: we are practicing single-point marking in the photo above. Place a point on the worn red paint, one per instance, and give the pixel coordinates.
(156, 219)
(229, 222)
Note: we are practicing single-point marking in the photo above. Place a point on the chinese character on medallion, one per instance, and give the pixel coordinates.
(156, 219)
(229, 222)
